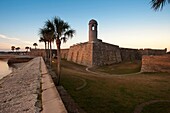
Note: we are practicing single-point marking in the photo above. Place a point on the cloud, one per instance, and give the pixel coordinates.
(15, 39)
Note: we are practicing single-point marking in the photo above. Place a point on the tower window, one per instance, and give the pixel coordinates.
(93, 28)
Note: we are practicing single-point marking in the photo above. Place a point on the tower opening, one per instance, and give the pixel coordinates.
(93, 28)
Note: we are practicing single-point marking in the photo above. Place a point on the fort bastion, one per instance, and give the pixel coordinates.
(98, 53)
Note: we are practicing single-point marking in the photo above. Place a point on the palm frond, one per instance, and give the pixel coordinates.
(158, 4)
(42, 39)
(64, 39)
(60, 26)
(49, 25)
(41, 31)
(69, 33)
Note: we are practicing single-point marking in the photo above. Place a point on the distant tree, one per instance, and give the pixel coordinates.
(158, 4)
(27, 48)
(17, 49)
(13, 48)
(35, 44)
(62, 32)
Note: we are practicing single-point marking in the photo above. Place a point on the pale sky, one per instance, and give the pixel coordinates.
(127, 23)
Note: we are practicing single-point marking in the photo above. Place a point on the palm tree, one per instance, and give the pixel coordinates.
(18, 48)
(50, 35)
(159, 4)
(27, 48)
(35, 44)
(13, 48)
(44, 39)
(62, 32)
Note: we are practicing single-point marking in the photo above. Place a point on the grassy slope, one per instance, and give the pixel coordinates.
(113, 94)
(161, 107)
(122, 68)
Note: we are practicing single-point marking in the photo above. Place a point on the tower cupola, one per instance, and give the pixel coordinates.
(92, 30)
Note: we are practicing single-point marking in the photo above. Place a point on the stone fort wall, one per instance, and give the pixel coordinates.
(93, 54)
(156, 63)
(105, 54)
(37, 52)
(128, 54)
(100, 53)
(64, 53)
(81, 54)
(153, 51)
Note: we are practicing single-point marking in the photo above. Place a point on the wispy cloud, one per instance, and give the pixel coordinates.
(14, 39)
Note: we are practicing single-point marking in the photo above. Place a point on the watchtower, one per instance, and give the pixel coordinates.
(92, 30)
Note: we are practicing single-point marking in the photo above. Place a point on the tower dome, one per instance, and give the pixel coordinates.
(92, 21)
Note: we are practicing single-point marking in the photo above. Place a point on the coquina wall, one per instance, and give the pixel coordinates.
(64, 53)
(153, 51)
(37, 52)
(99, 53)
(156, 63)
(128, 54)
(94, 54)
(105, 54)
(81, 54)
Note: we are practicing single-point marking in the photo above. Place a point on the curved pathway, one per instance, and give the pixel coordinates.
(83, 85)
(101, 74)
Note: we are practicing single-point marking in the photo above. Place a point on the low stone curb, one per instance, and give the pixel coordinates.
(51, 100)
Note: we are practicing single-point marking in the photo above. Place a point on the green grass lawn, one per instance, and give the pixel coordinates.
(161, 107)
(118, 94)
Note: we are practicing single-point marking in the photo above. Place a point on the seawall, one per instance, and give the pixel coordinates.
(30, 89)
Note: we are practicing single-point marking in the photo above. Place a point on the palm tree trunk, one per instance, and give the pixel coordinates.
(45, 51)
(50, 53)
(58, 43)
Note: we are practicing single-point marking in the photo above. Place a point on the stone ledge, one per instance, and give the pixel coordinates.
(51, 100)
